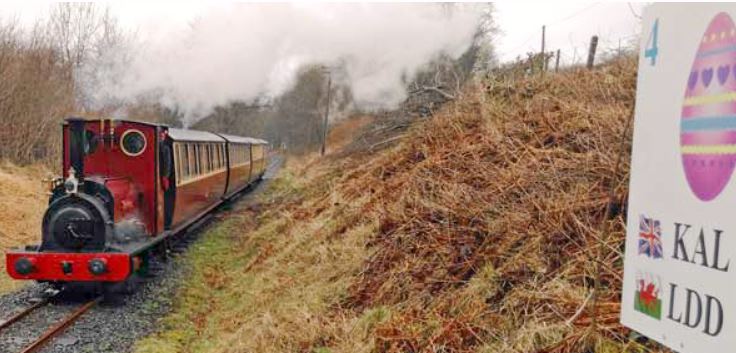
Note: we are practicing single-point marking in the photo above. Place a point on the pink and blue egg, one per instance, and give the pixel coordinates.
(708, 121)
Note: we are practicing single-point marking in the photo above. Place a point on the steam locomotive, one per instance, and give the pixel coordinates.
(127, 187)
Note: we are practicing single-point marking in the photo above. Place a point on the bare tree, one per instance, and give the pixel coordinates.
(73, 28)
(35, 91)
(444, 76)
(89, 38)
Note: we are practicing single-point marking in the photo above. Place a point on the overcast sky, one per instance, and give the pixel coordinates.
(569, 24)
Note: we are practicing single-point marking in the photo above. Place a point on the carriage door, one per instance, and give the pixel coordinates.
(168, 179)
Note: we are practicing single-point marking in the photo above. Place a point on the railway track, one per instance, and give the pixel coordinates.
(52, 331)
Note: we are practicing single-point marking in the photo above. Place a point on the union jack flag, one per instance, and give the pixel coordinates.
(650, 237)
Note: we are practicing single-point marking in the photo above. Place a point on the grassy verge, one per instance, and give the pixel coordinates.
(262, 285)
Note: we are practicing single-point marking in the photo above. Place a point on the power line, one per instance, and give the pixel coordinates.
(574, 14)
(531, 36)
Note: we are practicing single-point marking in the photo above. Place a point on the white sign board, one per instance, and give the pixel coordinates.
(680, 263)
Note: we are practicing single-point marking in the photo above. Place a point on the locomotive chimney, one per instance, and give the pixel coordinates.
(77, 145)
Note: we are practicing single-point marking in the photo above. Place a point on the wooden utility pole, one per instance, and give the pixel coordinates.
(327, 113)
(544, 56)
(591, 51)
(557, 60)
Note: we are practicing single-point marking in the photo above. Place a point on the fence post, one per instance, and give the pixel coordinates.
(591, 51)
(327, 114)
(544, 56)
(557, 61)
(531, 64)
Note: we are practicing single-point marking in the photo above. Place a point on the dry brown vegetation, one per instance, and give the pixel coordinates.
(22, 204)
(480, 230)
(491, 219)
(37, 90)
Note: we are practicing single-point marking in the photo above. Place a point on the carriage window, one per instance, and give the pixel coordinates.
(192, 160)
(177, 165)
(185, 161)
(219, 156)
(208, 157)
(215, 161)
(179, 154)
(200, 159)
(216, 157)
(180, 161)
(197, 159)
(205, 159)
(210, 161)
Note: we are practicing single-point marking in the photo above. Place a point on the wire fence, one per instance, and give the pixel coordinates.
(576, 50)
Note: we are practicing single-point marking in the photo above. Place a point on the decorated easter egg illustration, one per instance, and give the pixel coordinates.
(708, 120)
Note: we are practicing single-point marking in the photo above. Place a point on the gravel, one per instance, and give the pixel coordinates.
(116, 323)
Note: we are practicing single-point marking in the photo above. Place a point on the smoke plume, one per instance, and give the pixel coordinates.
(244, 51)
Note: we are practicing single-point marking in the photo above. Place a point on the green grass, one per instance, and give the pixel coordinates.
(266, 282)
(212, 260)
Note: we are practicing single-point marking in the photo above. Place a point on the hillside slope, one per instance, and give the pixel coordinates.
(479, 231)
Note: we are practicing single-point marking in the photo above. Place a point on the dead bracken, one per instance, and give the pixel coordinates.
(490, 218)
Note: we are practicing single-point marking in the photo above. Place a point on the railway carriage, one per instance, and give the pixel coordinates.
(248, 161)
(126, 187)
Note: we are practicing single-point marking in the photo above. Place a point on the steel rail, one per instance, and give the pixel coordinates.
(23, 313)
(60, 326)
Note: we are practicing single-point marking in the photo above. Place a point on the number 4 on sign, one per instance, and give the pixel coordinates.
(652, 50)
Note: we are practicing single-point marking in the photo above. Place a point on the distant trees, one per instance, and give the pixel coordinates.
(238, 118)
(293, 119)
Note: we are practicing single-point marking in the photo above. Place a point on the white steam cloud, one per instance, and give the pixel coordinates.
(243, 51)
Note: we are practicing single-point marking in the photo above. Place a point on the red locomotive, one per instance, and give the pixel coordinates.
(127, 187)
